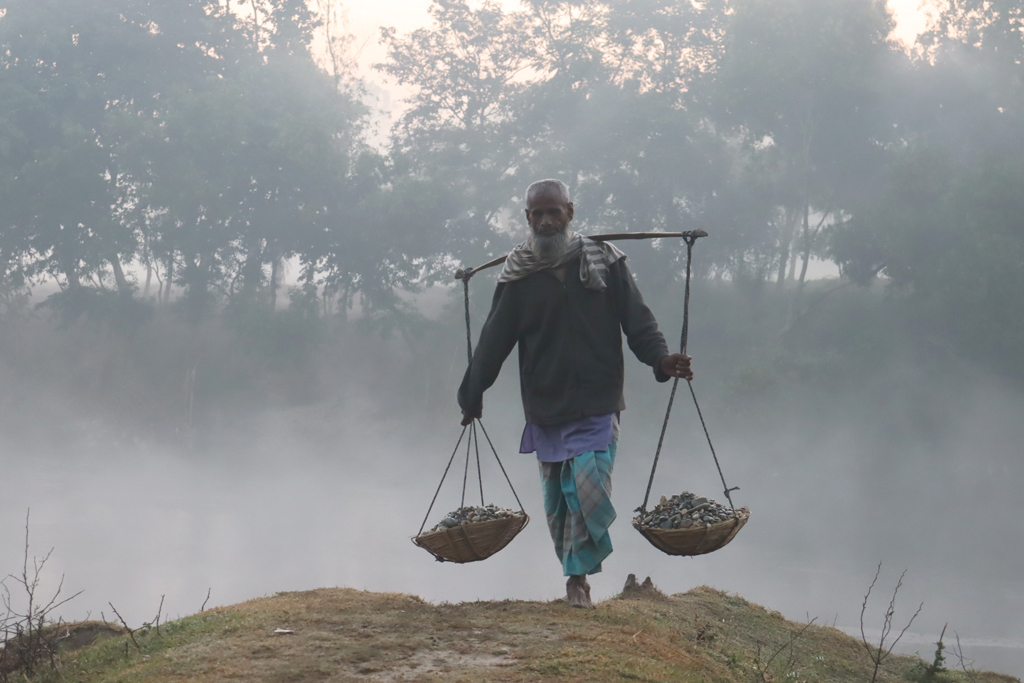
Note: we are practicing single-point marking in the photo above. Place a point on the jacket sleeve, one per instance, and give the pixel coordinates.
(497, 339)
(642, 334)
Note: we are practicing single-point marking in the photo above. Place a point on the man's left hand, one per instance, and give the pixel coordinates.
(677, 365)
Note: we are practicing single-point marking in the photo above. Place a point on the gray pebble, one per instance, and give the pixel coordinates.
(683, 511)
(474, 515)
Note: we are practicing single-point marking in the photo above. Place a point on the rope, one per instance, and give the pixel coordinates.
(493, 450)
(657, 453)
(465, 473)
(465, 297)
(685, 334)
(469, 359)
(465, 275)
(479, 474)
(450, 461)
(474, 438)
(728, 491)
(690, 241)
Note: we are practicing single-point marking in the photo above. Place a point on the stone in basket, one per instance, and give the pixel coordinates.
(470, 534)
(690, 525)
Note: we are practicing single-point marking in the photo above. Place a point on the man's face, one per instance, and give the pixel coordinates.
(547, 213)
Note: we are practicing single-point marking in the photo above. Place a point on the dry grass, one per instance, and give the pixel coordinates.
(348, 635)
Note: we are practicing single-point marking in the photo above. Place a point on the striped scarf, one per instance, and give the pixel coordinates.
(595, 259)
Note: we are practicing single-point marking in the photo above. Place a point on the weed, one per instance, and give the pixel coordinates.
(29, 636)
(879, 653)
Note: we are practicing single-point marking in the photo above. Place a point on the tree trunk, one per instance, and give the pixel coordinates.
(806, 232)
(327, 10)
(196, 279)
(74, 282)
(147, 254)
(170, 279)
(789, 232)
(256, 24)
(276, 267)
(793, 259)
(159, 285)
(807, 257)
(783, 260)
(809, 240)
(122, 282)
(252, 270)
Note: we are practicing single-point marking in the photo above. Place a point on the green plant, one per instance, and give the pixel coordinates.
(936, 672)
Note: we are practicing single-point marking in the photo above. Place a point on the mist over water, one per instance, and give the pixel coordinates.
(330, 494)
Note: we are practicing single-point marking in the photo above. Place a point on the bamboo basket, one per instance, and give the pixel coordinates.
(472, 542)
(695, 540)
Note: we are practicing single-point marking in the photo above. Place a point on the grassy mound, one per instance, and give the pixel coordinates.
(340, 634)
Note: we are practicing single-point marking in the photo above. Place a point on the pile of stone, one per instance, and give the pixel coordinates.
(685, 511)
(472, 515)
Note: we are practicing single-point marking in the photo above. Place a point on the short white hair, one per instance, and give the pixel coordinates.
(548, 184)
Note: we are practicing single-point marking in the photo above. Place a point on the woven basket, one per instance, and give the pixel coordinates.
(472, 542)
(695, 540)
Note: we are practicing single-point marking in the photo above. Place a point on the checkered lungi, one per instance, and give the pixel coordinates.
(577, 501)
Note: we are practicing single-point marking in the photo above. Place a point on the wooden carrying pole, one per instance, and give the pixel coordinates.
(463, 274)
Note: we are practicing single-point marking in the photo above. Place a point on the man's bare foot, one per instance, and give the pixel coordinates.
(578, 591)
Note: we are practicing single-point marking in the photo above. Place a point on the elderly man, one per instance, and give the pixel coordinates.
(566, 300)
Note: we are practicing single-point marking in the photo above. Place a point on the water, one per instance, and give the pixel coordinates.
(330, 497)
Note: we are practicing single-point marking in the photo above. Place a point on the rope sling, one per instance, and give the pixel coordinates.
(672, 396)
(443, 545)
(462, 544)
(705, 539)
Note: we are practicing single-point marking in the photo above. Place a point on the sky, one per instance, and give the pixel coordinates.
(366, 16)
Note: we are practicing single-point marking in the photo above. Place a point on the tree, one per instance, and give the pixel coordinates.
(184, 137)
(942, 222)
(467, 70)
(584, 90)
(802, 85)
(85, 68)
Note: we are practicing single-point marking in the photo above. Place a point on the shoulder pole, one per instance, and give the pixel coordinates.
(466, 273)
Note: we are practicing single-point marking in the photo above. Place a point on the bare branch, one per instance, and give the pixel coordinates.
(159, 611)
(879, 653)
(961, 660)
(28, 638)
(864, 607)
(789, 642)
(891, 610)
(761, 670)
(905, 628)
(131, 633)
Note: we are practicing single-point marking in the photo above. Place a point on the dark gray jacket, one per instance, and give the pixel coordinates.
(570, 343)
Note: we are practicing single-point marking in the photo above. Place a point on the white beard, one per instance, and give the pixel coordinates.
(550, 248)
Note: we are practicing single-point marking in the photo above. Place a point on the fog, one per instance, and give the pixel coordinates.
(919, 479)
(230, 342)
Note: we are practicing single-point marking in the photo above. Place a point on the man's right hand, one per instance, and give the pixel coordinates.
(467, 419)
(677, 365)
